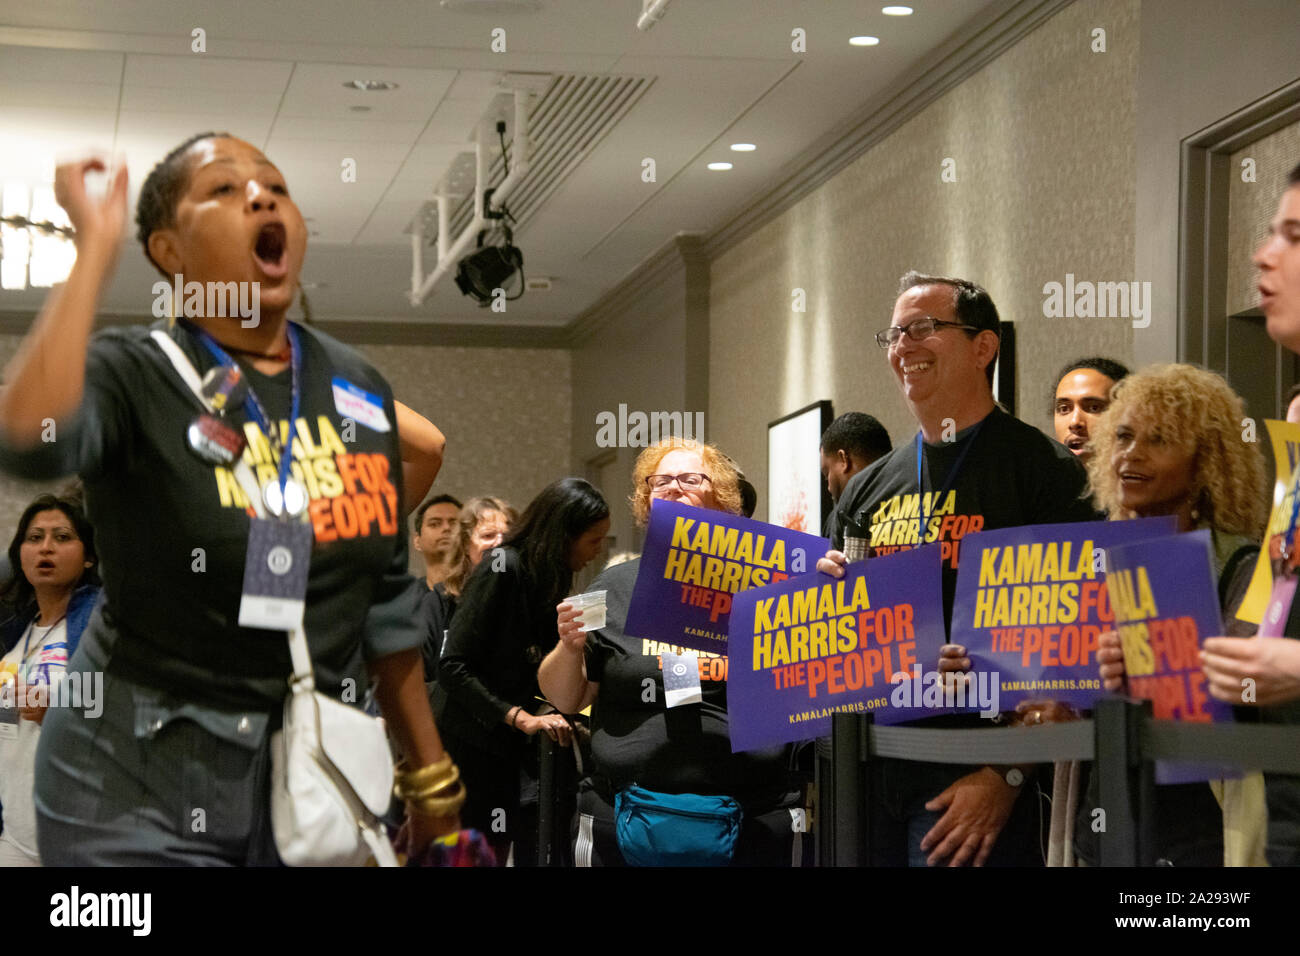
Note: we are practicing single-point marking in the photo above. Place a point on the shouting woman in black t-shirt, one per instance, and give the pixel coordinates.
(177, 768)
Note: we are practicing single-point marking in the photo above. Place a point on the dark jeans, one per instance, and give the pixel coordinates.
(899, 820)
(1283, 819)
(492, 800)
(122, 790)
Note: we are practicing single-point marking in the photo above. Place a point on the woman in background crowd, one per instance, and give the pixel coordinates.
(637, 739)
(1170, 444)
(52, 593)
(480, 527)
(486, 698)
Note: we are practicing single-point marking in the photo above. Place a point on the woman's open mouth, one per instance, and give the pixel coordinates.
(269, 250)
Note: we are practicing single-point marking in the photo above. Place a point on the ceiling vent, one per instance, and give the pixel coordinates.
(566, 122)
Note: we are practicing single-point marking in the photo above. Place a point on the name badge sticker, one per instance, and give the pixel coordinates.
(681, 679)
(359, 405)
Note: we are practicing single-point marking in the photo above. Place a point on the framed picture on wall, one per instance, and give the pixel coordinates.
(1004, 369)
(796, 492)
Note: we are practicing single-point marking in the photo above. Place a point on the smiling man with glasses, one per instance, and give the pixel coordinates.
(979, 469)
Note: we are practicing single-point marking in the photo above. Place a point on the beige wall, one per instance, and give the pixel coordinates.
(506, 414)
(1251, 206)
(637, 359)
(1199, 61)
(1043, 140)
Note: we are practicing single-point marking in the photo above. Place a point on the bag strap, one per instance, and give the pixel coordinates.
(185, 369)
(303, 678)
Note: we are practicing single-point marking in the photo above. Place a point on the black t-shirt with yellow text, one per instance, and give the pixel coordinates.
(172, 530)
(1011, 474)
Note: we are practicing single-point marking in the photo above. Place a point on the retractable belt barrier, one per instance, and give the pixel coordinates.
(1121, 738)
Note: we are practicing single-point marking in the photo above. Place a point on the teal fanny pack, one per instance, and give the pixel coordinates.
(675, 829)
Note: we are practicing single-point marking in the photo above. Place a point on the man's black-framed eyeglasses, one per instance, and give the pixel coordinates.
(917, 330)
(687, 481)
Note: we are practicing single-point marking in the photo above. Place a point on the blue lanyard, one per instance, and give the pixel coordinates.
(253, 407)
(1289, 540)
(967, 442)
(22, 661)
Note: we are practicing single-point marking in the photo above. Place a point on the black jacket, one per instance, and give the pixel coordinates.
(499, 635)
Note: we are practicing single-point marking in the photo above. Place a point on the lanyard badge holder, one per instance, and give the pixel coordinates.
(331, 768)
(1284, 572)
(924, 511)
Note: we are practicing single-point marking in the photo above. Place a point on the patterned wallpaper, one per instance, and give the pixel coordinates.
(506, 414)
(1042, 140)
(1251, 206)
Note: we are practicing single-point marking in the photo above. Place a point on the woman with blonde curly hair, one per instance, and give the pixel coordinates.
(1170, 444)
(681, 753)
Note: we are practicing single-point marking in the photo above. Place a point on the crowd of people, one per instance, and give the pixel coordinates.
(213, 448)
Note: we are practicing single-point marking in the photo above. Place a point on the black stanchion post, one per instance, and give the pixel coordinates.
(1117, 723)
(546, 796)
(824, 805)
(848, 744)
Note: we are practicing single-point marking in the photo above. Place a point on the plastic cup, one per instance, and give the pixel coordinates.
(592, 606)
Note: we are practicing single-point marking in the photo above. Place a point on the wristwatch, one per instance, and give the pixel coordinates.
(1013, 776)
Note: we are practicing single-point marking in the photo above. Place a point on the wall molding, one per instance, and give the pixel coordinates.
(965, 52)
(968, 50)
(665, 263)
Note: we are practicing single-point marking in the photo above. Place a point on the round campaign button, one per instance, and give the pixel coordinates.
(215, 442)
(279, 559)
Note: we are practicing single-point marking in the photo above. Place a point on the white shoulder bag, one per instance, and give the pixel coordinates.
(331, 769)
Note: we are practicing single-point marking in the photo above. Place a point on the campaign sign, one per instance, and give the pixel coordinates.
(693, 563)
(812, 646)
(1165, 601)
(1031, 604)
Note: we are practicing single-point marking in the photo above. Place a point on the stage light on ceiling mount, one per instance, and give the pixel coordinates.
(743, 147)
(719, 167)
(481, 273)
(896, 11)
(864, 41)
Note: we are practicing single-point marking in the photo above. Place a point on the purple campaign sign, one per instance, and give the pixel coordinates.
(1031, 603)
(805, 648)
(1166, 602)
(693, 563)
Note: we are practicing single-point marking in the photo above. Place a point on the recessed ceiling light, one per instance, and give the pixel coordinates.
(743, 147)
(719, 166)
(359, 109)
(896, 11)
(370, 86)
(864, 41)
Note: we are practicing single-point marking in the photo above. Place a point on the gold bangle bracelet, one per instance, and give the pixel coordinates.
(447, 783)
(439, 806)
(415, 779)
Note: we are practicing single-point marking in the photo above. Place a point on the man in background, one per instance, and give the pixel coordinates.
(433, 533)
(851, 443)
(1083, 393)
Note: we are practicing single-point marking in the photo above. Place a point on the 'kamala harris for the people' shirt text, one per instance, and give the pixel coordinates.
(350, 492)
